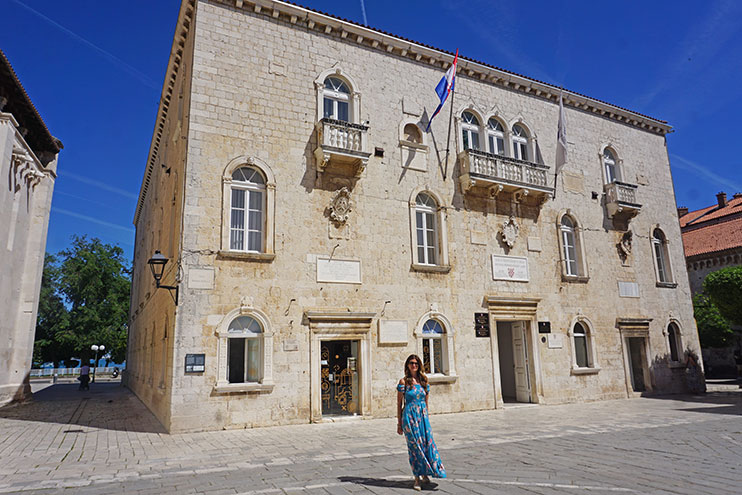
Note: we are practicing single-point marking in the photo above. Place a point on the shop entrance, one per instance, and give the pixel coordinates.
(339, 377)
(513, 353)
(635, 346)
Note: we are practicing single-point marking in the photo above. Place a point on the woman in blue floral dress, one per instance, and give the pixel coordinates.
(412, 420)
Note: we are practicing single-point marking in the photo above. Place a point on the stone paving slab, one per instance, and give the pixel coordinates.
(106, 441)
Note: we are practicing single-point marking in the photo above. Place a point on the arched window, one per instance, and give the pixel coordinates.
(674, 342)
(520, 142)
(433, 344)
(610, 165)
(336, 99)
(412, 134)
(244, 350)
(495, 137)
(470, 131)
(247, 210)
(426, 229)
(580, 336)
(569, 245)
(661, 259)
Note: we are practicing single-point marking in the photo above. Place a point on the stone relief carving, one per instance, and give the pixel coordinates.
(625, 245)
(509, 232)
(341, 206)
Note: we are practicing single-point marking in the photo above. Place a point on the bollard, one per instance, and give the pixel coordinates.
(54, 378)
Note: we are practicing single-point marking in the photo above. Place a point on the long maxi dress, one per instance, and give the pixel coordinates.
(423, 453)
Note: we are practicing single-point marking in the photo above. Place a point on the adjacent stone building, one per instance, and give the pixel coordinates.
(317, 234)
(28, 165)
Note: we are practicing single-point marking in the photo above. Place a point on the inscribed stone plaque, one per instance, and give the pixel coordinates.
(393, 332)
(554, 340)
(628, 289)
(478, 237)
(338, 271)
(513, 268)
(573, 182)
(534, 244)
(201, 278)
(290, 345)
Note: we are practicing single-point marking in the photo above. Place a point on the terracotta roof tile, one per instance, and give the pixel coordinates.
(713, 238)
(712, 212)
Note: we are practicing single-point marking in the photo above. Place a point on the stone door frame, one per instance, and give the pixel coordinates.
(635, 327)
(509, 308)
(339, 325)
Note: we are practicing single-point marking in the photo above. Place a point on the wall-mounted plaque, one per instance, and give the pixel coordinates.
(201, 278)
(393, 332)
(544, 327)
(555, 341)
(628, 289)
(513, 268)
(338, 271)
(195, 363)
(482, 324)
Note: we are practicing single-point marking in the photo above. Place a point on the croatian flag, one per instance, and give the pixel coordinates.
(445, 87)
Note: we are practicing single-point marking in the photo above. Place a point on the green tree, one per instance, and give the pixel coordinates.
(53, 318)
(713, 329)
(85, 300)
(724, 288)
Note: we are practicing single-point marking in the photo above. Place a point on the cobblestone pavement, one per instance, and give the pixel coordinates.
(106, 442)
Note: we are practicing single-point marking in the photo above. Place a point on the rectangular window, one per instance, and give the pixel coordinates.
(497, 145)
(237, 223)
(433, 355)
(329, 104)
(581, 350)
(426, 237)
(236, 360)
(343, 111)
(661, 271)
(255, 222)
(570, 254)
(253, 360)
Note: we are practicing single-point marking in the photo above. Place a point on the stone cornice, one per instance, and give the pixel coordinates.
(371, 38)
(182, 28)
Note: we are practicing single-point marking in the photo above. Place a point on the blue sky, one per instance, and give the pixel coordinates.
(94, 70)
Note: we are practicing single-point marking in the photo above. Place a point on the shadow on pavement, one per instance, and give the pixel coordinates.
(710, 402)
(107, 405)
(384, 482)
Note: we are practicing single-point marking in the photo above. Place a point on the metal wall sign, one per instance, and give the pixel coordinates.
(482, 324)
(544, 327)
(195, 363)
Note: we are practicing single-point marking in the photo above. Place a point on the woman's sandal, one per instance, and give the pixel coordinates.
(416, 486)
(425, 480)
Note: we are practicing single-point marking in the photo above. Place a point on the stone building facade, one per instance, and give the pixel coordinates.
(28, 165)
(317, 234)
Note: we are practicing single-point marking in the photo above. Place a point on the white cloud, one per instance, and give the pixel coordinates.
(705, 173)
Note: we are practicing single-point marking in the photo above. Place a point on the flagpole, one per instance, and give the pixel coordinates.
(450, 119)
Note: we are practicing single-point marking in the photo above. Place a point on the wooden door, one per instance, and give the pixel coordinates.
(520, 358)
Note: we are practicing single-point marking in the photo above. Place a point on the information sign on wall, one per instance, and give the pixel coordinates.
(514, 268)
(482, 324)
(195, 363)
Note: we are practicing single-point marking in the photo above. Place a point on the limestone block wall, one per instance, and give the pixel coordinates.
(253, 96)
(25, 200)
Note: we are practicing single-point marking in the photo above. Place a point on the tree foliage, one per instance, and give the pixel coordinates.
(713, 329)
(84, 301)
(724, 288)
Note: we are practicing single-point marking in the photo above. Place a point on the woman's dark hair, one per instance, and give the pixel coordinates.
(420, 374)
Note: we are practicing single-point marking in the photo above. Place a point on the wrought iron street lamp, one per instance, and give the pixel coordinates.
(157, 264)
(96, 348)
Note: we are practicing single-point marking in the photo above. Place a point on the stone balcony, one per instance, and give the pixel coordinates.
(498, 173)
(343, 144)
(620, 200)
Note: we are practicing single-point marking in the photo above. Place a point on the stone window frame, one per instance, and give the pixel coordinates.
(470, 128)
(413, 147)
(354, 98)
(443, 264)
(268, 253)
(582, 274)
(678, 342)
(592, 355)
(265, 384)
(618, 165)
(530, 140)
(666, 278)
(447, 350)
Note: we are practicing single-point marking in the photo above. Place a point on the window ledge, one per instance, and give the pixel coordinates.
(412, 144)
(581, 279)
(431, 268)
(584, 371)
(242, 256)
(432, 379)
(668, 285)
(243, 387)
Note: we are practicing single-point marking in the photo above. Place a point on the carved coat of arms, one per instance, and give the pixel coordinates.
(340, 206)
(509, 232)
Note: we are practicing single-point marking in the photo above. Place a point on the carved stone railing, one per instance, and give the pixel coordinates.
(620, 200)
(501, 173)
(343, 143)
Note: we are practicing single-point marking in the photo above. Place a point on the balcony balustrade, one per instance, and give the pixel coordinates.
(342, 143)
(499, 173)
(620, 200)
